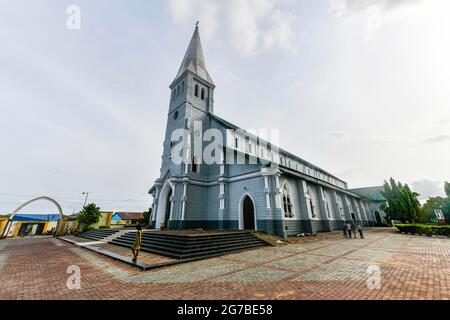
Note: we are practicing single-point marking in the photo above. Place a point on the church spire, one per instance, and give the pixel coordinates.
(194, 60)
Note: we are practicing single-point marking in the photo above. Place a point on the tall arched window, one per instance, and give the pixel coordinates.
(178, 90)
(194, 164)
(311, 203)
(196, 90)
(203, 94)
(172, 144)
(288, 206)
(182, 86)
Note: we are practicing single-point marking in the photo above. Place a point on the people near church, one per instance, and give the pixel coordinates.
(353, 229)
(360, 230)
(344, 230)
(349, 230)
(137, 243)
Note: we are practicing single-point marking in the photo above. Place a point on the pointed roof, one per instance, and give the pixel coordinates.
(194, 60)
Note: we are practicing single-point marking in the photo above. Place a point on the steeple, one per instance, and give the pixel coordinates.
(194, 60)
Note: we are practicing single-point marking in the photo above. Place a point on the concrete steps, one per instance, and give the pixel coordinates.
(192, 247)
(98, 234)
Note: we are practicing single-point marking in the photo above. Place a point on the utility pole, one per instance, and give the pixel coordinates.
(85, 199)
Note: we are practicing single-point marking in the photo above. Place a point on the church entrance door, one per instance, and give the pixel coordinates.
(168, 209)
(378, 218)
(249, 214)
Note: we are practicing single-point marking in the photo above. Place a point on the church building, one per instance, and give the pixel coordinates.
(283, 195)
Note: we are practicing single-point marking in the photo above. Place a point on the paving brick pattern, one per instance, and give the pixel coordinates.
(322, 267)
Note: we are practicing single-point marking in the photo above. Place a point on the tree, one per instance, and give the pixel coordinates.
(438, 203)
(433, 203)
(447, 188)
(401, 203)
(89, 215)
(147, 214)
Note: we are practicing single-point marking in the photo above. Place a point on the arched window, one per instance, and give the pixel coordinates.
(288, 206)
(194, 164)
(178, 90)
(172, 144)
(203, 94)
(175, 93)
(182, 86)
(311, 203)
(196, 90)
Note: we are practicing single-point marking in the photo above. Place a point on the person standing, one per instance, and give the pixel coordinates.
(344, 230)
(349, 230)
(353, 228)
(360, 230)
(137, 243)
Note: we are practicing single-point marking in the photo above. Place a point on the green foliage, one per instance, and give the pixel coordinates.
(432, 204)
(131, 225)
(89, 215)
(147, 214)
(401, 203)
(436, 203)
(447, 188)
(428, 229)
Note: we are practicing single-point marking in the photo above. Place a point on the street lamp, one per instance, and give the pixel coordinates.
(85, 199)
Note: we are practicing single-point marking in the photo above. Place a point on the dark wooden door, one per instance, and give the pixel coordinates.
(249, 214)
(168, 207)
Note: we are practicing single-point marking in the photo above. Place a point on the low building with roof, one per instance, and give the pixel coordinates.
(125, 218)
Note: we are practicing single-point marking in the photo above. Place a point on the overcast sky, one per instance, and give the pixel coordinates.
(360, 88)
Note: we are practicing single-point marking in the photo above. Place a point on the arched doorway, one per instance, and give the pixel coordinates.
(164, 208)
(247, 219)
(168, 209)
(378, 218)
(353, 217)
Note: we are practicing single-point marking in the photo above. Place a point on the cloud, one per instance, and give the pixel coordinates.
(342, 7)
(443, 122)
(428, 188)
(250, 24)
(339, 135)
(375, 13)
(281, 34)
(437, 139)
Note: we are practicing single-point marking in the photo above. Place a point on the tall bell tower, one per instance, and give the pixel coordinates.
(191, 100)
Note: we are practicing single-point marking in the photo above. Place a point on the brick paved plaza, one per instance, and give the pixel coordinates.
(329, 267)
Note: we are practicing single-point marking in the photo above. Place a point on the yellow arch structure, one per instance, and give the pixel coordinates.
(9, 223)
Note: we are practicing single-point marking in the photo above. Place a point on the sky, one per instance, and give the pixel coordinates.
(360, 88)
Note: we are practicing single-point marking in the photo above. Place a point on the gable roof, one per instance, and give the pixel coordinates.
(130, 215)
(370, 193)
(35, 217)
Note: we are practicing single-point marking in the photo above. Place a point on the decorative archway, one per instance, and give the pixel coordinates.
(247, 211)
(9, 224)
